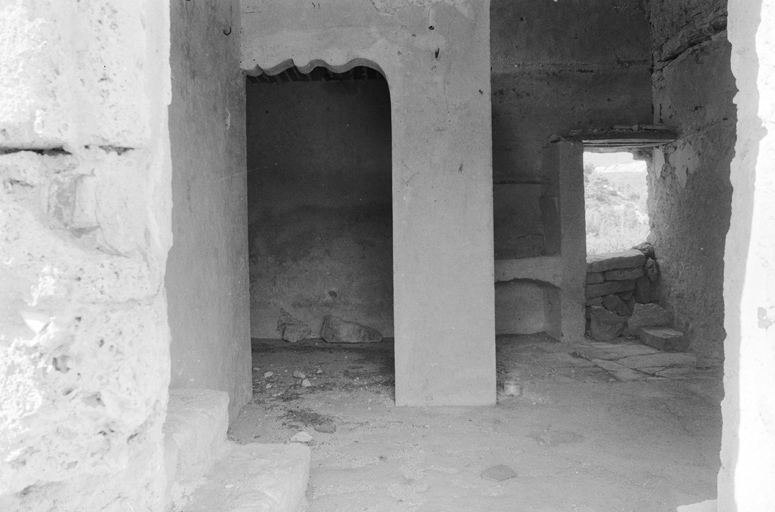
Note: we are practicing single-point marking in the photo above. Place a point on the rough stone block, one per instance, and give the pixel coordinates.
(663, 338)
(623, 274)
(595, 277)
(596, 301)
(336, 330)
(292, 329)
(258, 477)
(615, 304)
(649, 315)
(605, 325)
(607, 288)
(615, 260)
(643, 290)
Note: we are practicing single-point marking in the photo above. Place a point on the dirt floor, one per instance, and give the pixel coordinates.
(596, 427)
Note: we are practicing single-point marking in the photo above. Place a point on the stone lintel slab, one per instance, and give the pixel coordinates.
(624, 274)
(664, 338)
(615, 260)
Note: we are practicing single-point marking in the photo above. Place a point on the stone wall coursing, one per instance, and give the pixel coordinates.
(84, 342)
(558, 66)
(207, 270)
(320, 195)
(689, 189)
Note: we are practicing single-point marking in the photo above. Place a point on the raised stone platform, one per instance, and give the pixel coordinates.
(255, 478)
(206, 472)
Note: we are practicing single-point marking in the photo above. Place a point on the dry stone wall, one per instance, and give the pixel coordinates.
(84, 234)
(688, 181)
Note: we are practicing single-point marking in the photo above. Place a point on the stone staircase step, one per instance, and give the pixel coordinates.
(255, 478)
(194, 434)
(663, 338)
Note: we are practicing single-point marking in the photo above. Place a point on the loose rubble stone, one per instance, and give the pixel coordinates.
(301, 437)
(607, 288)
(291, 329)
(597, 301)
(615, 260)
(605, 325)
(614, 303)
(268, 374)
(623, 274)
(648, 315)
(595, 277)
(664, 338)
(498, 473)
(298, 374)
(328, 427)
(652, 270)
(646, 248)
(306, 383)
(336, 330)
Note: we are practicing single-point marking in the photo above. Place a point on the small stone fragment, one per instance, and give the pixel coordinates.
(605, 325)
(298, 374)
(306, 383)
(268, 386)
(290, 328)
(268, 374)
(646, 248)
(301, 437)
(648, 315)
(336, 330)
(328, 427)
(498, 473)
(319, 371)
(652, 270)
(255, 368)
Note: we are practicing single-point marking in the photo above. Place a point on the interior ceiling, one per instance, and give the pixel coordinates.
(318, 74)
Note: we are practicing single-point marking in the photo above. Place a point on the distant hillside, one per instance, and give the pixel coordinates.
(616, 213)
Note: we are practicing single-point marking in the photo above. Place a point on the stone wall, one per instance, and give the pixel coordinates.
(689, 188)
(556, 66)
(207, 270)
(84, 217)
(320, 195)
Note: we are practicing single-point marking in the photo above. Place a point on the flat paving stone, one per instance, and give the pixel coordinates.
(620, 372)
(659, 359)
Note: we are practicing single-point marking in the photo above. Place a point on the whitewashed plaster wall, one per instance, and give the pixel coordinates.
(84, 235)
(748, 439)
(435, 55)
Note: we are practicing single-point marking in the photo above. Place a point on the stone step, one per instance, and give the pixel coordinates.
(663, 338)
(194, 435)
(254, 478)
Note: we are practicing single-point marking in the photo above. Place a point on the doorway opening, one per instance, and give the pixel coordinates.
(615, 200)
(320, 230)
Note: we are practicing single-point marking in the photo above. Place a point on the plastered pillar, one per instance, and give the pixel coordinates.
(435, 56)
(747, 474)
(563, 201)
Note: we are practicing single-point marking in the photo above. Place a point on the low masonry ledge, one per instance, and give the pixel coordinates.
(543, 268)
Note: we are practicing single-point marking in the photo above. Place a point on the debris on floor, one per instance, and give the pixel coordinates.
(336, 330)
(596, 427)
(498, 473)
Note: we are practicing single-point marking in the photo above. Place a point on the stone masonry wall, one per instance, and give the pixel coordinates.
(84, 235)
(689, 188)
(320, 221)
